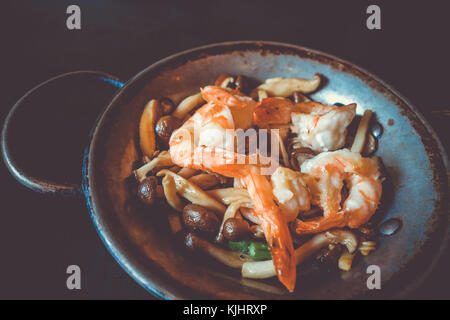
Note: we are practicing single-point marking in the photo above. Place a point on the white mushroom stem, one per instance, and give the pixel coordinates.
(204, 180)
(262, 94)
(285, 87)
(147, 138)
(229, 195)
(227, 257)
(266, 269)
(193, 193)
(345, 261)
(162, 160)
(226, 82)
(366, 247)
(187, 172)
(170, 193)
(361, 133)
(187, 105)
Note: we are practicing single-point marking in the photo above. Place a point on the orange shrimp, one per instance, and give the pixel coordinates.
(317, 126)
(326, 174)
(321, 127)
(189, 147)
(273, 111)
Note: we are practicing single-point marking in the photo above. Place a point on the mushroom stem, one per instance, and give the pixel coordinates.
(229, 213)
(229, 258)
(262, 95)
(187, 105)
(147, 123)
(162, 160)
(193, 193)
(187, 172)
(229, 195)
(204, 180)
(266, 269)
(285, 87)
(174, 222)
(361, 133)
(226, 82)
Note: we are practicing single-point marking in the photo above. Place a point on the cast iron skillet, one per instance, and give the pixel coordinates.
(140, 240)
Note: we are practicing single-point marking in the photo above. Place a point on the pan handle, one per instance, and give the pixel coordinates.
(41, 98)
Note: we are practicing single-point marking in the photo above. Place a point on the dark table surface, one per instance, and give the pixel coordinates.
(40, 236)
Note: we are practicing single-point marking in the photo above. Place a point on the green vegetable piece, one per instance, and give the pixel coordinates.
(259, 251)
(256, 250)
(241, 246)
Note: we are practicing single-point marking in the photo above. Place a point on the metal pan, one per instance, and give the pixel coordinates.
(415, 161)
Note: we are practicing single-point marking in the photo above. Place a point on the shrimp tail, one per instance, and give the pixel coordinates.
(275, 228)
(333, 220)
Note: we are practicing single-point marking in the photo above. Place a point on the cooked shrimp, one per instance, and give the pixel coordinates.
(317, 126)
(326, 175)
(227, 110)
(321, 127)
(273, 111)
(290, 192)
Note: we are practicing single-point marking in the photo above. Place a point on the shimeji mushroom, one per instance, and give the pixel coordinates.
(361, 133)
(231, 211)
(204, 180)
(227, 81)
(191, 192)
(162, 160)
(227, 257)
(187, 105)
(165, 126)
(200, 219)
(236, 229)
(229, 195)
(147, 138)
(285, 87)
(266, 269)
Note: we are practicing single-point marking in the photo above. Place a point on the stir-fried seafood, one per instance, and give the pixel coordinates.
(213, 153)
(336, 187)
(326, 174)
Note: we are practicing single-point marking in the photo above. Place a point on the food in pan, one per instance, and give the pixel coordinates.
(263, 179)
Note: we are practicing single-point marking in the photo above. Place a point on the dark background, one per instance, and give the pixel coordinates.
(40, 236)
